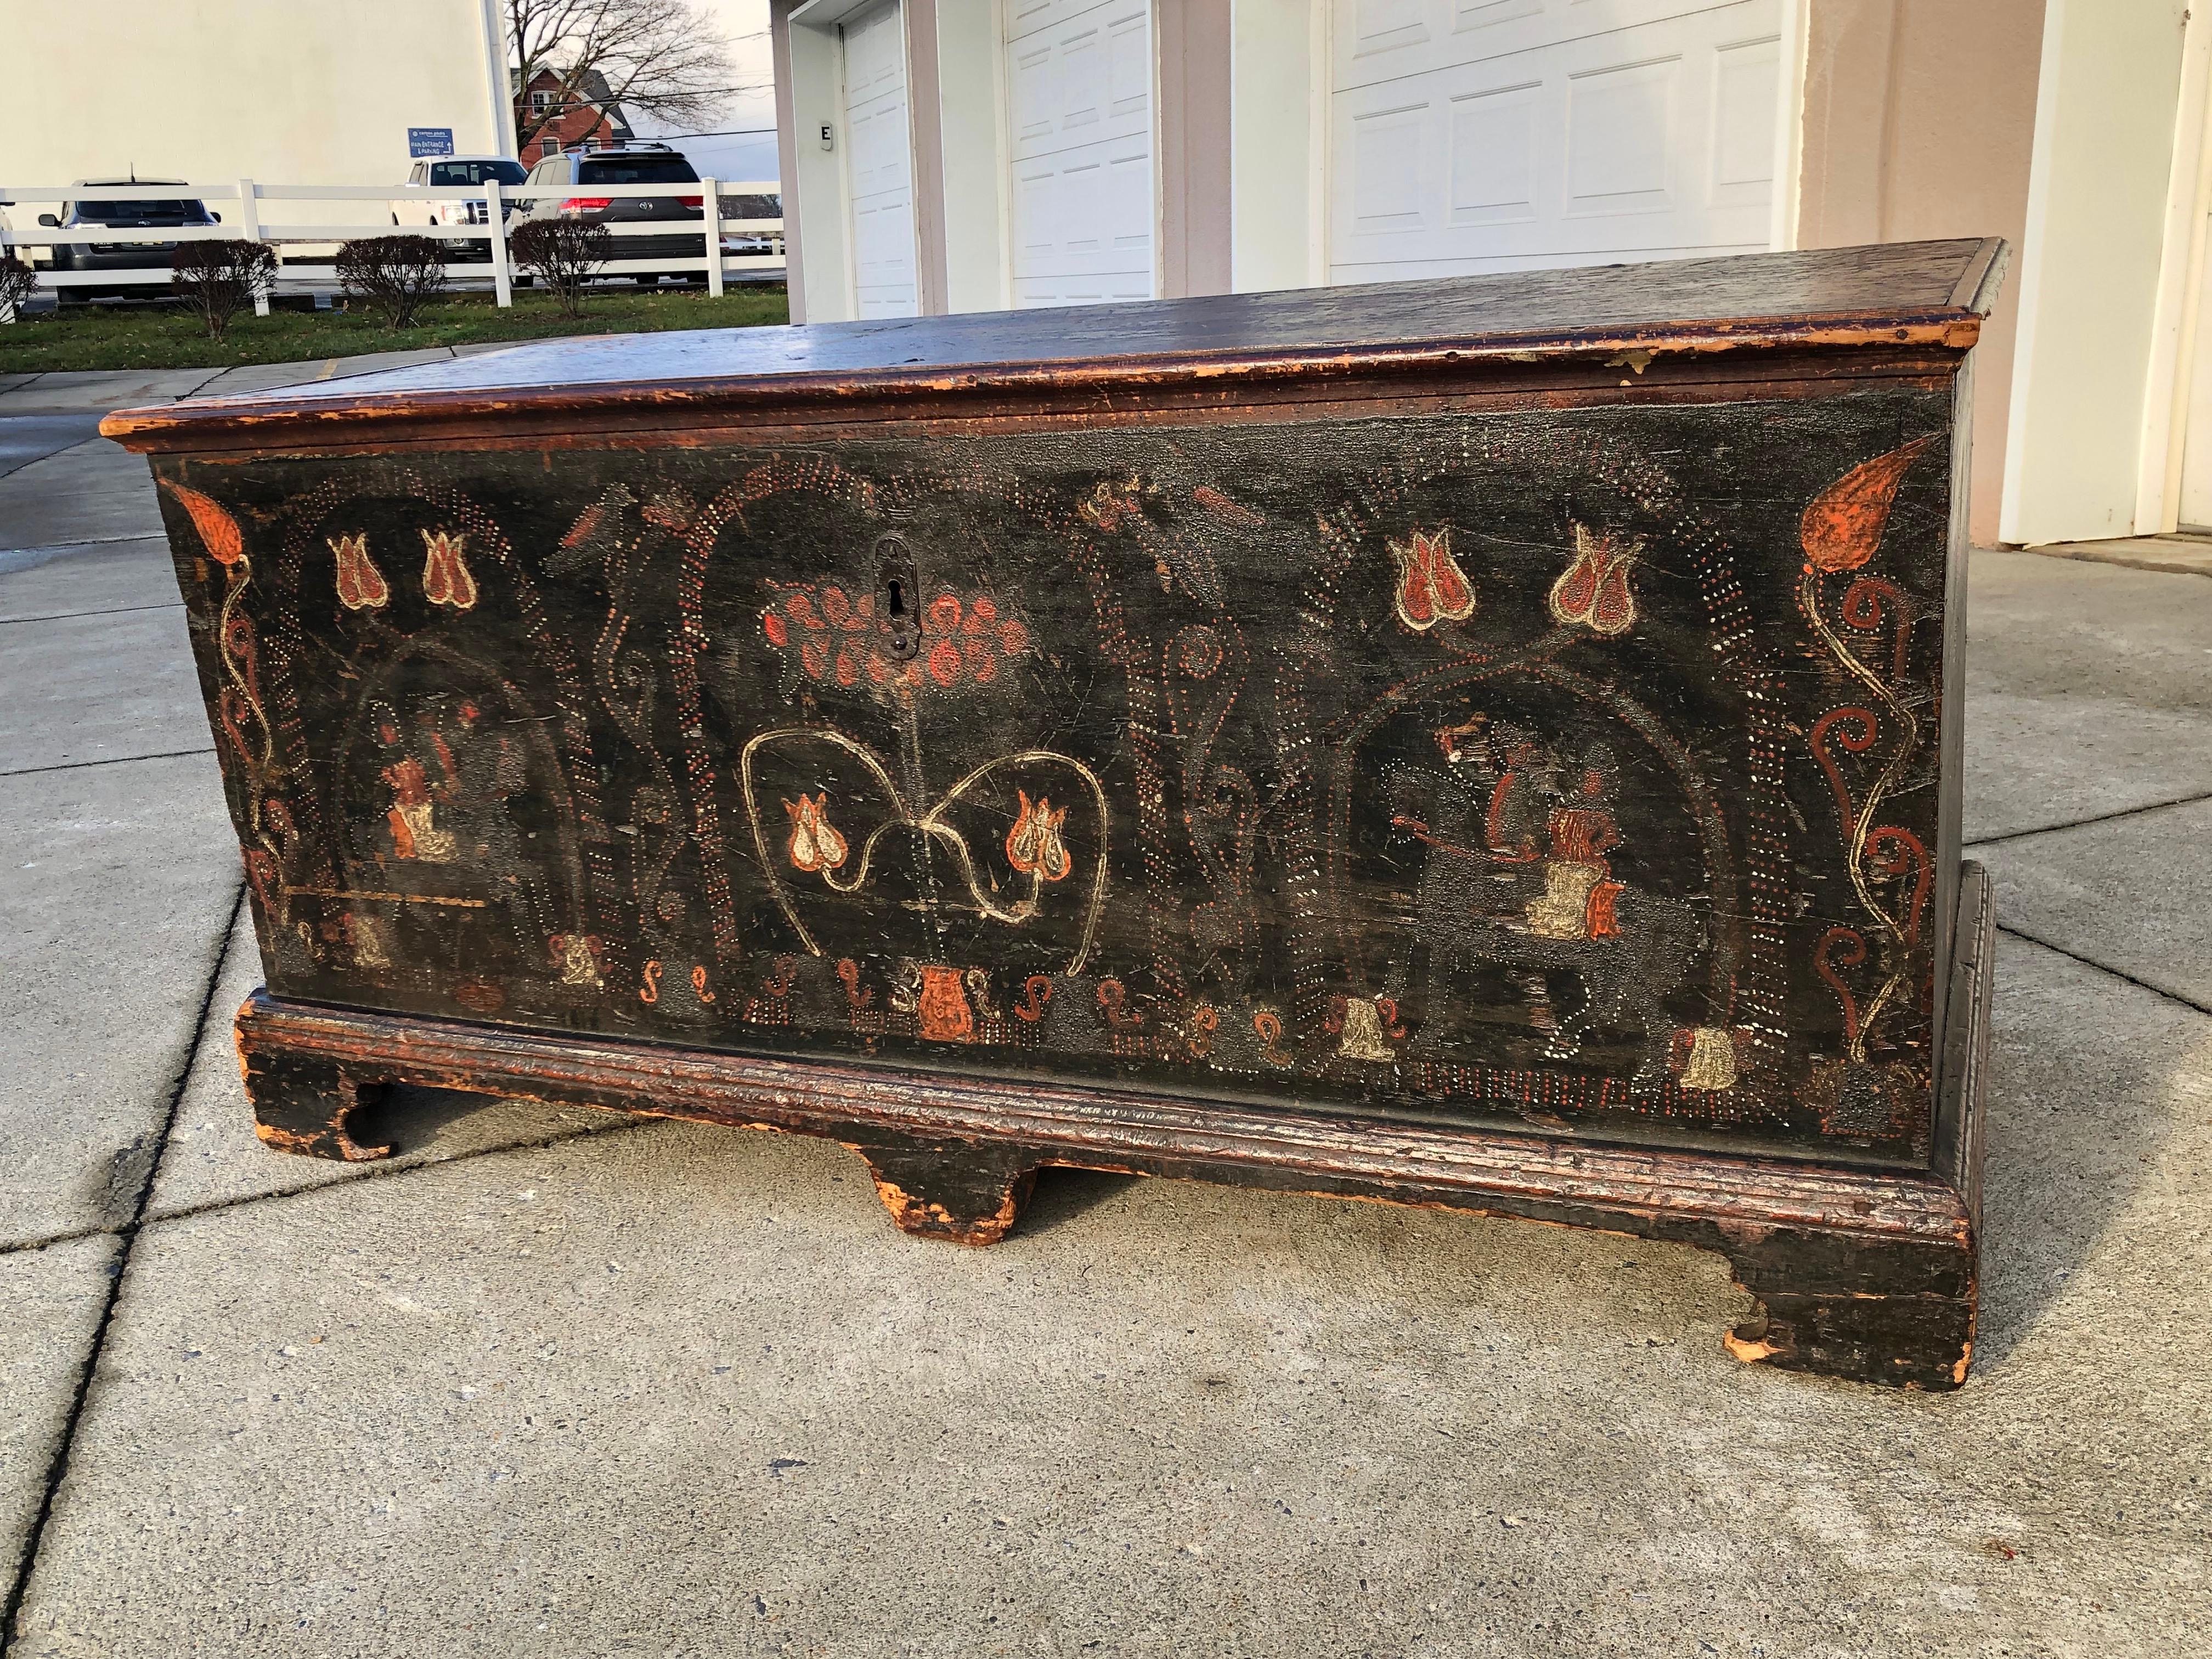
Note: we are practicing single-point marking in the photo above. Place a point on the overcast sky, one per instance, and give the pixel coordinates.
(732, 153)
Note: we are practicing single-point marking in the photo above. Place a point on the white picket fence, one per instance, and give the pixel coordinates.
(22, 205)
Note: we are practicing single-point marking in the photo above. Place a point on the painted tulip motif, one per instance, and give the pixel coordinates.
(815, 843)
(446, 579)
(1594, 589)
(1033, 845)
(1432, 587)
(361, 584)
(1841, 527)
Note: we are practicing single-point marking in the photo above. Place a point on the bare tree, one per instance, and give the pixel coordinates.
(663, 58)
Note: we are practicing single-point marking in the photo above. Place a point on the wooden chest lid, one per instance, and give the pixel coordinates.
(1925, 295)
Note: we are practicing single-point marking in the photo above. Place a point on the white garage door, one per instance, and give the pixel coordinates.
(879, 163)
(1081, 77)
(1499, 135)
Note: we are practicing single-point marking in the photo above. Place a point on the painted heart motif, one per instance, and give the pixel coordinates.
(1034, 846)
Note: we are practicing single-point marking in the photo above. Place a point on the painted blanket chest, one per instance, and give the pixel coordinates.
(1487, 742)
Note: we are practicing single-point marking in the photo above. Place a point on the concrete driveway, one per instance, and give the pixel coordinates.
(553, 1383)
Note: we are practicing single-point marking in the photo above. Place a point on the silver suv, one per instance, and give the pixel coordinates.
(598, 176)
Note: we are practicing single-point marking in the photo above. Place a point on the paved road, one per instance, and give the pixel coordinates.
(27, 438)
(551, 1383)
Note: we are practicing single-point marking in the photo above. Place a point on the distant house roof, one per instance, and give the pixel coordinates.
(592, 89)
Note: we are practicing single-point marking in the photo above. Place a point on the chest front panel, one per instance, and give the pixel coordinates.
(1576, 765)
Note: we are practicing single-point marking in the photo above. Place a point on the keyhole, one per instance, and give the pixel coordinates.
(894, 576)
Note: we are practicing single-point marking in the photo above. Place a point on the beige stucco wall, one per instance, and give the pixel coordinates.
(2107, 121)
(278, 91)
(1279, 115)
(1920, 122)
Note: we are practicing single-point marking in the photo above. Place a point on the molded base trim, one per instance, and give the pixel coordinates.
(1866, 1274)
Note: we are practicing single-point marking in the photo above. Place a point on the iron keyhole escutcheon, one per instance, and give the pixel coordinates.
(899, 592)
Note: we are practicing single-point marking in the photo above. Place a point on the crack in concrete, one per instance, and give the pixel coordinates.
(380, 1171)
(2106, 968)
(2079, 823)
(127, 1235)
(31, 1246)
(112, 760)
(112, 610)
(391, 1171)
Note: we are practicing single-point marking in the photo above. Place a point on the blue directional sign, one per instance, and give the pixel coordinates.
(429, 141)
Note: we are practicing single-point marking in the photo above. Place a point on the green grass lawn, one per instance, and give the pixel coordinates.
(169, 336)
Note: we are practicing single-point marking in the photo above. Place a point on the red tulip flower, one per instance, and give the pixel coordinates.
(1432, 587)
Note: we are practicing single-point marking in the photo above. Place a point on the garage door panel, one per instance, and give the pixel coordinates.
(1494, 264)
(1745, 97)
(1473, 14)
(1521, 247)
(1393, 154)
(1082, 151)
(874, 55)
(1030, 72)
(1495, 150)
(1129, 68)
(1621, 135)
(1379, 28)
(1129, 204)
(1530, 247)
(1640, 141)
(1379, 40)
(1082, 81)
(1082, 78)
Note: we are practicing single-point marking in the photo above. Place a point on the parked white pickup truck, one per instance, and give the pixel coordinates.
(456, 172)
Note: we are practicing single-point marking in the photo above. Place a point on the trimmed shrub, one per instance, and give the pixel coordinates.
(397, 274)
(564, 254)
(18, 282)
(221, 279)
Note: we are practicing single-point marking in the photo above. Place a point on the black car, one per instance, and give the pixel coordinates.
(599, 177)
(150, 212)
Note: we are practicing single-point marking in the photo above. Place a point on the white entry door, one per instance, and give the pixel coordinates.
(1502, 135)
(879, 163)
(1080, 73)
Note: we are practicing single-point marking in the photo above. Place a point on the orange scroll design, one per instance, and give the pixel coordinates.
(1841, 529)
